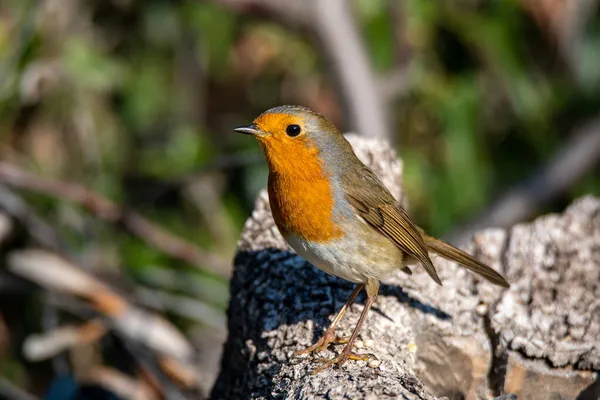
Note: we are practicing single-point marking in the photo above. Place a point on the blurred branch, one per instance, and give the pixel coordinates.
(10, 392)
(394, 84)
(15, 207)
(133, 222)
(133, 324)
(6, 227)
(336, 30)
(120, 384)
(224, 162)
(578, 156)
(152, 370)
(344, 45)
(59, 275)
(37, 228)
(219, 163)
(182, 305)
(43, 346)
(73, 286)
(183, 282)
(163, 372)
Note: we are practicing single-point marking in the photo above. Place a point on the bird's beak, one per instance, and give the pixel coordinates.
(249, 130)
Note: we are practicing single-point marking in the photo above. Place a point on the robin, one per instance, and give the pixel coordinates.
(337, 214)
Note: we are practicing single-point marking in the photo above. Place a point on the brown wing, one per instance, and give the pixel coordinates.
(376, 205)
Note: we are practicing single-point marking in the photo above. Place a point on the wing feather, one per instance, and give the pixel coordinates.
(375, 204)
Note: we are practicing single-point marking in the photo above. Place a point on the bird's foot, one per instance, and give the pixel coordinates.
(328, 338)
(344, 356)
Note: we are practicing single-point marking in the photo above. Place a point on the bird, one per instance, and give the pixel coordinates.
(338, 215)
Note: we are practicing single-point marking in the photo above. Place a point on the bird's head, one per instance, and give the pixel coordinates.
(296, 138)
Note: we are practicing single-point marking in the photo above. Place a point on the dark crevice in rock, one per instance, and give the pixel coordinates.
(497, 373)
(592, 392)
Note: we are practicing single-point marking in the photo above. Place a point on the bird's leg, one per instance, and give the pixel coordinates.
(372, 290)
(329, 335)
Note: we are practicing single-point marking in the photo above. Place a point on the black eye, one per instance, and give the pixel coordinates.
(293, 130)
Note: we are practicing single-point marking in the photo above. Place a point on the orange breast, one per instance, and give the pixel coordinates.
(303, 208)
(299, 192)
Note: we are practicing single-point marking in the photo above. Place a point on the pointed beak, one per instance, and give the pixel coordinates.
(249, 130)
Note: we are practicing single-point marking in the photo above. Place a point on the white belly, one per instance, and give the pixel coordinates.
(351, 259)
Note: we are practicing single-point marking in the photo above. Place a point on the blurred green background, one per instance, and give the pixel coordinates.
(136, 100)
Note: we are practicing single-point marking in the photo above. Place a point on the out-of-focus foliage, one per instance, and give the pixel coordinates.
(137, 99)
(491, 100)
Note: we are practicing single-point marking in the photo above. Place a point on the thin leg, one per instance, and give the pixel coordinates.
(329, 335)
(372, 290)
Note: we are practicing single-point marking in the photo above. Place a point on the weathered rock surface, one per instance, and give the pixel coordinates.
(467, 339)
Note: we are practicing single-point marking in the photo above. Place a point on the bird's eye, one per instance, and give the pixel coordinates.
(293, 130)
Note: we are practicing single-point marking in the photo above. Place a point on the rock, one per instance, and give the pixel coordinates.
(467, 339)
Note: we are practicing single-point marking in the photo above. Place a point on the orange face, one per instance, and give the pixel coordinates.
(276, 124)
(299, 190)
(288, 155)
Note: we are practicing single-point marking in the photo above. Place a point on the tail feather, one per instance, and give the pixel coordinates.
(452, 253)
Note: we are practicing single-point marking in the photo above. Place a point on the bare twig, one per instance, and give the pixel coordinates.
(578, 156)
(102, 207)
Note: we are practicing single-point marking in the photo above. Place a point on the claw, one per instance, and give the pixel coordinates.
(339, 360)
(339, 340)
(358, 357)
(321, 344)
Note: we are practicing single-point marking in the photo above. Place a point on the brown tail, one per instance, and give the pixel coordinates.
(452, 253)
